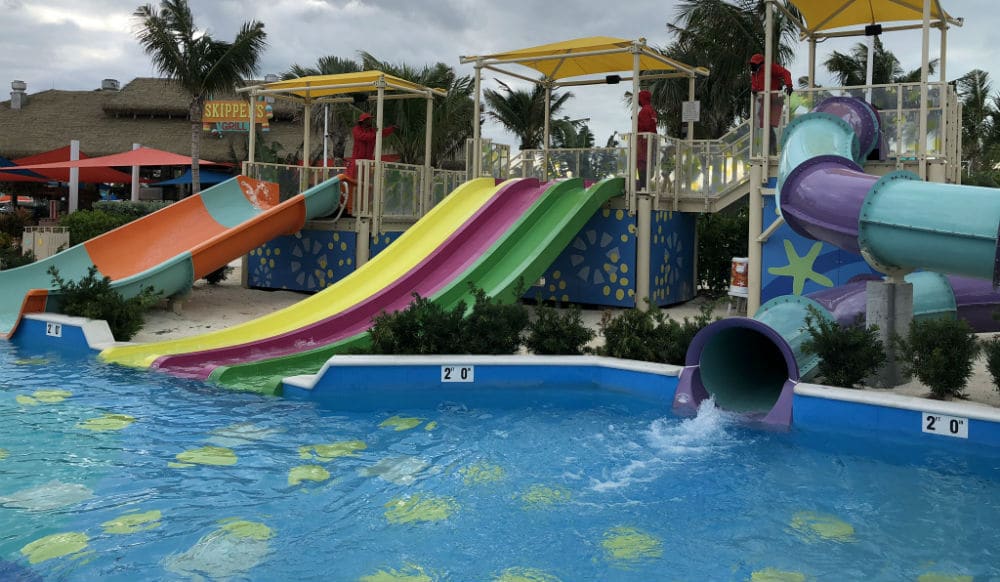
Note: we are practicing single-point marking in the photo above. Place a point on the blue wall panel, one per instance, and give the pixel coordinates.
(309, 260)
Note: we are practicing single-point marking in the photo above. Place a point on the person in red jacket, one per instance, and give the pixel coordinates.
(363, 149)
(780, 76)
(647, 124)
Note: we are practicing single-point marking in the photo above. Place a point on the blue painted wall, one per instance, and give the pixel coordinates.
(795, 265)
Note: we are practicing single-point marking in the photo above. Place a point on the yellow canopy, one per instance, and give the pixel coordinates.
(588, 56)
(343, 84)
(823, 15)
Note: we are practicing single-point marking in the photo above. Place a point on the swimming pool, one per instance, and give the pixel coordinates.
(114, 474)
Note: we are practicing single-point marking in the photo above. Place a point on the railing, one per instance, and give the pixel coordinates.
(443, 182)
(899, 109)
(494, 158)
(700, 169)
(291, 180)
(589, 164)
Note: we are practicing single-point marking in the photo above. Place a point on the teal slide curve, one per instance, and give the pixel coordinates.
(168, 249)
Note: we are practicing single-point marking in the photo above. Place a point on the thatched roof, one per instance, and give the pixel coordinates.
(108, 122)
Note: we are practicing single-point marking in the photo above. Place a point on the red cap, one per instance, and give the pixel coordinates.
(365, 116)
(757, 59)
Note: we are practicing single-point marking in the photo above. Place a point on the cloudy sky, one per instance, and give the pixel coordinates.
(73, 44)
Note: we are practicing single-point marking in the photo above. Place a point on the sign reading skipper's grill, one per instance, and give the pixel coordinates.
(233, 115)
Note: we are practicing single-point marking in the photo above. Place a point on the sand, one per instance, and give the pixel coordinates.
(213, 307)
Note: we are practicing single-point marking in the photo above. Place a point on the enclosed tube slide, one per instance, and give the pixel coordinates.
(896, 222)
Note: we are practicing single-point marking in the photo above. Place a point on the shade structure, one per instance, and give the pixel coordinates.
(593, 55)
(204, 176)
(95, 175)
(824, 15)
(344, 84)
(139, 157)
(20, 175)
(7, 198)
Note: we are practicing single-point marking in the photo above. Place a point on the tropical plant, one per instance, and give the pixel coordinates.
(84, 225)
(522, 112)
(493, 326)
(424, 327)
(980, 126)
(722, 35)
(992, 349)
(940, 353)
(721, 237)
(340, 116)
(452, 113)
(558, 332)
(848, 354)
(850, 69)
(200, 64)
(93, 297)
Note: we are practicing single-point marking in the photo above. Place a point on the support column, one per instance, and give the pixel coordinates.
(425, 195)
(74, 177)
(135, 177)
(890, 307)
(643, 236)
(364, 238)
(924, 70)
(755, 249)
(477, 155)
(306, 146)
(252, 137)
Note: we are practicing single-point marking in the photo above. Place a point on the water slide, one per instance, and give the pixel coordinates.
(414, 246)
(521, 252)
(446, 262)
(168, 249)
(899, 223)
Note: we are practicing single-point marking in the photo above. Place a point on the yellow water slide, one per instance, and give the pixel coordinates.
(413, 246)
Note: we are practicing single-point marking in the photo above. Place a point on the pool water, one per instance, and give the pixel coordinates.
(113, 474)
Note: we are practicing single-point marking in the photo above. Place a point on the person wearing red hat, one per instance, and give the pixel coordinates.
(780, 76)
(363, 149)
(647, 124)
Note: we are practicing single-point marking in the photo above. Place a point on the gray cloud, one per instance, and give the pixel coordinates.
(73, 44)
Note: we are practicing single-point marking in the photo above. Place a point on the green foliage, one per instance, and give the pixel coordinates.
(422, 328)
(494, 327)
(13, 223)
(130, 209)
(721, 236)
(10, 253)
(555, 332)
(992, 349)
(93, 297)
(219, 275)
(940, 353)
(651, 335)
(848, 354)
(86, 224)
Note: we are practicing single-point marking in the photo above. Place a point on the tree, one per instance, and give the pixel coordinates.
(850, 69)
(341, 116)
(452, 113)
(522, 112)
(980, 121)
(200, 64)
(722, 35)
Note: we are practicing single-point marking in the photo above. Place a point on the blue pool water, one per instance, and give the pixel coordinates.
(103, 476)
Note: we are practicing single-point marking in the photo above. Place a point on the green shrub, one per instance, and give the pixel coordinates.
(721, 236)
(848, 354)
(940, 353)
(219, 275)
(11, 255)
(86, 224)
(555, 332)
(422, 328)
(630, 335)
(992, 349)
(494, 327)
(93, 297)
(13, 223)
(650, 336)
(130, 209)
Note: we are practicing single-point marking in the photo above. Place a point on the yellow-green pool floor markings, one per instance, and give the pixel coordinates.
(44, 396)
(813, 526)
(56, 545)
(624, 545)
(419, 508)
(213, 456)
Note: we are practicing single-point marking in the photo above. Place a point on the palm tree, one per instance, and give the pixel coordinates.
(341, 115)
(723, 35)
(522, 112)
(200, 64)
(850, 69)
(452, 113)
(980, 121)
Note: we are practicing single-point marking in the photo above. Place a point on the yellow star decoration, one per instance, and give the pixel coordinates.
(800, 269)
